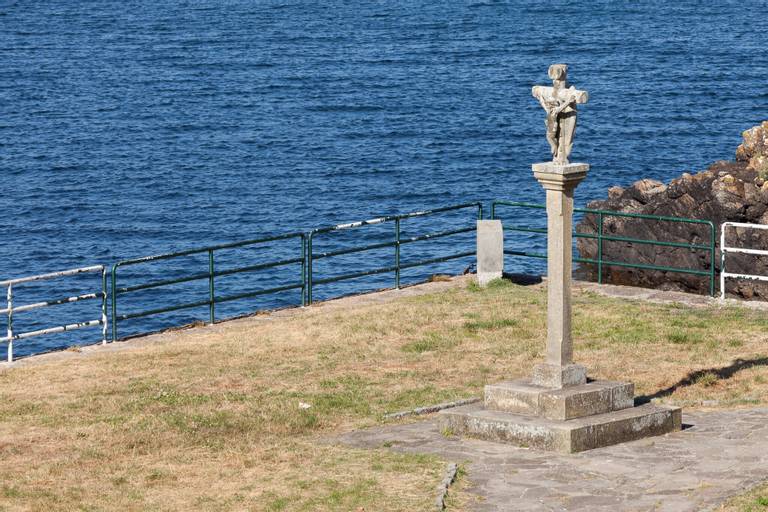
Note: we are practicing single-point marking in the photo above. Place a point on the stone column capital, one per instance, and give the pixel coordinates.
(557, 177)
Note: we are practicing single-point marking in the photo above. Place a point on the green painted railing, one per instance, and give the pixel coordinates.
(601, 237)
(209, 276)
(396, 243)
(305, 256)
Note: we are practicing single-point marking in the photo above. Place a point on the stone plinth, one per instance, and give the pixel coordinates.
(569, 436)
(524, 397)
(567, 419)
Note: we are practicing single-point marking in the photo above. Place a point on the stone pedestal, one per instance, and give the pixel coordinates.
(558, 408)
(490, 251)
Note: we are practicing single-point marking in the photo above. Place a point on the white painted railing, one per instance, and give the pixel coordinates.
(724, 249)
(11, 309)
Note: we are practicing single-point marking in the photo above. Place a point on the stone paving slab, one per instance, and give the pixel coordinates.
(717, 455)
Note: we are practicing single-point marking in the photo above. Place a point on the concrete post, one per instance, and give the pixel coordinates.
(559, 181)
(490, 251)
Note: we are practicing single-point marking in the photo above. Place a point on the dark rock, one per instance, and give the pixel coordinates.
(726, 191)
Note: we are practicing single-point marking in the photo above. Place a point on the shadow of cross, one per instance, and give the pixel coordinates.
(723, 373)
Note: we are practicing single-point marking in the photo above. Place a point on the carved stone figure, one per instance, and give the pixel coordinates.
(559, 101)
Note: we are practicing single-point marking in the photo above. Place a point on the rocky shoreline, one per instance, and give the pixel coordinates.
(726, 191)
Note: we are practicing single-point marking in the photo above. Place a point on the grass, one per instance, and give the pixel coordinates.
(209, 418)
(754, 500)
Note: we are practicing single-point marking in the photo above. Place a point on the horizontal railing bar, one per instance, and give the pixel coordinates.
(610, 238)
(745, 225)
(610, 213)
(611, 263)
(259, 292)
(260, 266)
(190, 305)
(746, 276)
(344, 277)
(384, 245)
(53, 275)
(645, 267)
(189, 252)
(165, 282)
(512, 252)
(206, 275)
(437, 260)
(662, 243)
(36, 305)
(740, 250)
(389, 218)
(525, 230)
(53, 330)
(437, 235)
(177, 307)
(320, 255)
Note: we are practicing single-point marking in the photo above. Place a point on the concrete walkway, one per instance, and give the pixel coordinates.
(718, 455)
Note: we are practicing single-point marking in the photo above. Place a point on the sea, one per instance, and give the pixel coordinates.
(131, 128)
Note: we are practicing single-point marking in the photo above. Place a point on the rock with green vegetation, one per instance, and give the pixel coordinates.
(727, 191)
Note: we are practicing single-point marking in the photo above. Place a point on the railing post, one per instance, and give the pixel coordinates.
(600, 248)
(722, 260)
(10, 323)
(103, 305)
(480, 211)
(211, 291)
(309, 269)
(712, 256)
(114, 302)
(303, 269)
(397, 253)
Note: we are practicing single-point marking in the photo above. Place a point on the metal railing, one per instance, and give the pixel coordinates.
(307, 255)
(725, 249)
(209, 276)
(396, 243)
(601, 237)
(11, 309)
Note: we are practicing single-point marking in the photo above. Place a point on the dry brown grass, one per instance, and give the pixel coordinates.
(755, 500)
(209, 418)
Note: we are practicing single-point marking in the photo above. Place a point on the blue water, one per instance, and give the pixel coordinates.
(130, 128)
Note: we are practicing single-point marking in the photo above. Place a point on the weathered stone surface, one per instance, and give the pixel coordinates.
(719, 455)
(726, 191)
(490, 251)
(550, 375)
(559, 102)
(515, 396)
(525, 398)
(571, 436)
(596, 397)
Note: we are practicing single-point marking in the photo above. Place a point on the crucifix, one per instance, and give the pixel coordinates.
(559, 101)
(559, 178)
(556, 408)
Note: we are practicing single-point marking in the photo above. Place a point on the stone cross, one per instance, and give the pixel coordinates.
(559, 101)
(556, 409)
(559, 178)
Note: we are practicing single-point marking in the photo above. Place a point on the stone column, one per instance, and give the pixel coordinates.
(559, 181)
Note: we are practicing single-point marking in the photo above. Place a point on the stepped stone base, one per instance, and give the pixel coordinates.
(569, 436)
(526, 398)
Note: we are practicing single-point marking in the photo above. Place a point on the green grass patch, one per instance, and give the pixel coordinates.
(490, 325)
(432, 342)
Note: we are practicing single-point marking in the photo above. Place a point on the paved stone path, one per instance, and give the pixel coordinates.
(718, 455)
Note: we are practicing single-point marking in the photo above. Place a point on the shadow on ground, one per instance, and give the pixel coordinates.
(723, 373)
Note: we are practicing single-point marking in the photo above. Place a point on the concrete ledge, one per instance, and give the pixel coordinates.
(562, 436)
